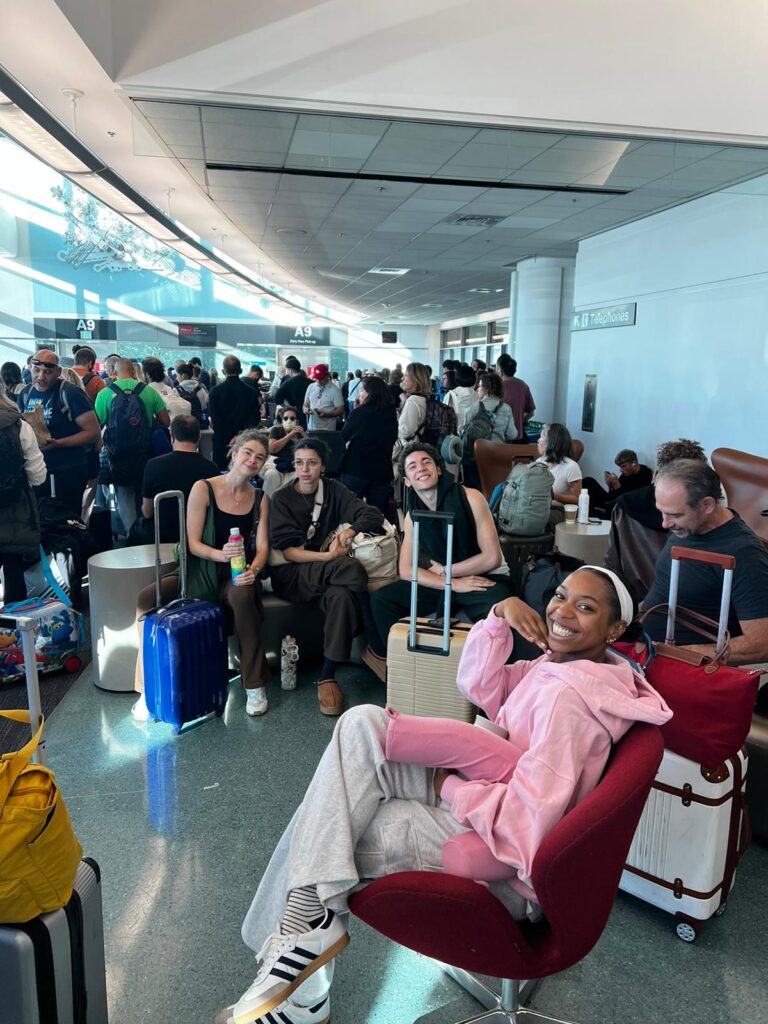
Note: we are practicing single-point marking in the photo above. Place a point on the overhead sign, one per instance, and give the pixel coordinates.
(75, 328)
(302, 335)
(604, 316)
(197, 335)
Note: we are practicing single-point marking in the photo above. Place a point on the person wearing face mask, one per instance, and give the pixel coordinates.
(282, 437)
(465, 798)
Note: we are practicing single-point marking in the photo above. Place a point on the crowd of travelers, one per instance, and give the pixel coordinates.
(398, 442)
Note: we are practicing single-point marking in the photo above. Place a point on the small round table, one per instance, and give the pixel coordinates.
(587, 541)
(115, 580)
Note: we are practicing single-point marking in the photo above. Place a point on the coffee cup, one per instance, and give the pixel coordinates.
(570, 513)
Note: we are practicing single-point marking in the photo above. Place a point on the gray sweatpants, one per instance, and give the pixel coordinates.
(362, 817)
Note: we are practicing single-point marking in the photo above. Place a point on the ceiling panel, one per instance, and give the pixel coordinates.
(327, 231)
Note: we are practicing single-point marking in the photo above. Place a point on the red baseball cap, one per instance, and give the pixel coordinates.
(318, 372)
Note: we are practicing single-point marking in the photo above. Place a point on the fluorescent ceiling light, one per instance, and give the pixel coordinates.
(29, 134)
(148, 223)
(391, 271)
(106, 193)
(187, 250)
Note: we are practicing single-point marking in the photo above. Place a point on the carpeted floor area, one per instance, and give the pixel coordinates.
(53, 687)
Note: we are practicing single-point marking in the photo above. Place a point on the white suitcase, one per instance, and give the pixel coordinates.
(695, 824)
(692, 833)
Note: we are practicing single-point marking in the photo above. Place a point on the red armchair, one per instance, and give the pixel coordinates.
(575, 875)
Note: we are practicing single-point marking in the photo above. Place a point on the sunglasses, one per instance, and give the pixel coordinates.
(48, 366)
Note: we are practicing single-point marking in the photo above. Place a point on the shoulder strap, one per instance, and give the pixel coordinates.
(113, 387)
(88, 378)
(51, 580)
(139, 388)
(19, 760)
(24, 394)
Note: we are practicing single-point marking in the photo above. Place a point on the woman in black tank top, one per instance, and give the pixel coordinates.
(215, 507)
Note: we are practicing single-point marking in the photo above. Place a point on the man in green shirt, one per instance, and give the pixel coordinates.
(127, 466)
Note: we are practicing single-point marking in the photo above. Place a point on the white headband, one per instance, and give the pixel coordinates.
(625, 600)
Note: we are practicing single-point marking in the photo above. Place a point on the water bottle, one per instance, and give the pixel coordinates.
(582, 516)
(237, 562)
(289, 656)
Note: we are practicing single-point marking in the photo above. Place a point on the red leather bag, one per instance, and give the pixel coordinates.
(711, 700)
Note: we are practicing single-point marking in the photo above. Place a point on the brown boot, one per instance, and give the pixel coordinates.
(330, 697)
(376, 664)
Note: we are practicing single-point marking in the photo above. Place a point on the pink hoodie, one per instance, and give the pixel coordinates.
(562, 720)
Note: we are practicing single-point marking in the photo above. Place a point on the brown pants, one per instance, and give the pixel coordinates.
(242, 604)
(333, 586)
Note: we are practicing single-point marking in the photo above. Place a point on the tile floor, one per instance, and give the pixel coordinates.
(182, 827)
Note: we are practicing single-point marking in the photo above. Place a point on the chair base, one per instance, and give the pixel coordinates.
(506, 1008)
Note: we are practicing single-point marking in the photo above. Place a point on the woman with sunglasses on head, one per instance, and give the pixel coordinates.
(395, 792)
(214, 507)
(282, 439)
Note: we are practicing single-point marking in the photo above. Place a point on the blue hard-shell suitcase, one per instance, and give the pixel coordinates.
(184, 648)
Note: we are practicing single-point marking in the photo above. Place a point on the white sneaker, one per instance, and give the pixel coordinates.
(286, 962)
(285, 1013)
(140, 711)
(257, 703)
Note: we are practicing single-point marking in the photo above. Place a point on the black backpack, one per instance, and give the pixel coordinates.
(12, 472)
(439, 422)
(128, 435)
(62, 532)
(196, 409)
(542, 576)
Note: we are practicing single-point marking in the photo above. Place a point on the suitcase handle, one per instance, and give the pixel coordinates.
(179, 496)
(448, 518)
(681, 554)
(727, 562)
(27, 625)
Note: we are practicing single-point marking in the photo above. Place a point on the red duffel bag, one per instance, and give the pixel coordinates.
(711, 700)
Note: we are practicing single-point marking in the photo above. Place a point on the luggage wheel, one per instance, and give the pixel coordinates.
(721, 910)
(686, 931)
(72, 664)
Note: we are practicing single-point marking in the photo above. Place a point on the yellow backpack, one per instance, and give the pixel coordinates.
(39, 851)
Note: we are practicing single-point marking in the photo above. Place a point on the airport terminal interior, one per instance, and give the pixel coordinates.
(357, 190)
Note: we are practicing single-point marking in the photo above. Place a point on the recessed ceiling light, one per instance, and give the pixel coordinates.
(392, 271)
(290, 231)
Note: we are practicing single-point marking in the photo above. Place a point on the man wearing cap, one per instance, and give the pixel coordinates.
(71, 424)
(632, 476)
(323, 402)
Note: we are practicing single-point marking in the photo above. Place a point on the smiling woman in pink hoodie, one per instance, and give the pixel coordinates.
(394, 793)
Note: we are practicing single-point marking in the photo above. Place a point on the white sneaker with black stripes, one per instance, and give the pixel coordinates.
(286, 962)
(286, 1013)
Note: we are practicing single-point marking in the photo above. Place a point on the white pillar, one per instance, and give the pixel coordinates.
(541, 299)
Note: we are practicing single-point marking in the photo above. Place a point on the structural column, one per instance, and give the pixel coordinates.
(541, 299)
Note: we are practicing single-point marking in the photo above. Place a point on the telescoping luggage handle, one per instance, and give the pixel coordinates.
(178, 495)
(726, 563)
(448, 517)
(27, 626)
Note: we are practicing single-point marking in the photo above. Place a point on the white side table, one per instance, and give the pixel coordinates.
(589, 542)
(115, 580)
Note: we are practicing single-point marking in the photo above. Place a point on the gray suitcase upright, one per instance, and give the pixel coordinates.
(52, 968)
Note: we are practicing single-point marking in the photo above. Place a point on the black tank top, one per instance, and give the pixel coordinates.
(223, 522)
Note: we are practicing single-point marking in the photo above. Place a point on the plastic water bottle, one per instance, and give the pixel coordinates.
(582, 516)
(289, 656)
(237, 562)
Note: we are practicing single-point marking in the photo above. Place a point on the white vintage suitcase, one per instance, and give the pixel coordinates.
(693, 830)
(422, 656)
